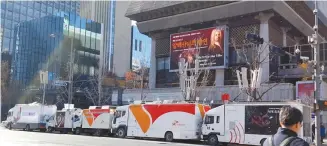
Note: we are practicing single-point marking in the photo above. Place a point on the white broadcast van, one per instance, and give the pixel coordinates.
(160, 120)
(249, 123)
(65, 120)
(30, 116)
(96, 120)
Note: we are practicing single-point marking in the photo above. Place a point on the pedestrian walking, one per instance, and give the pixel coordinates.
(322, 133)
(313, 128)
(290, 119)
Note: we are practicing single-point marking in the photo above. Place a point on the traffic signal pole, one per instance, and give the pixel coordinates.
(313, 40)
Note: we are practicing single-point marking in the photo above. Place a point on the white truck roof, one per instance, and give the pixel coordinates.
(266, 103)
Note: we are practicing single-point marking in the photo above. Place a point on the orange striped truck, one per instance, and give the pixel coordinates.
(96, 120)
(160, 120)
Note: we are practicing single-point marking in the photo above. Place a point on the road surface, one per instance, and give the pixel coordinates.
(23, 138)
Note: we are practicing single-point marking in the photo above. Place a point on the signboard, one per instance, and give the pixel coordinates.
(305, 92)
(210, 44)
(60, 83)
(258, 118)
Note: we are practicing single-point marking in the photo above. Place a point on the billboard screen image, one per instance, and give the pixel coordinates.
(305, 92)
(210, 44)
(258, 118)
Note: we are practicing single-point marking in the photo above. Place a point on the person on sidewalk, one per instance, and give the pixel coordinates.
(313, 128)
(290, 119)
(322, 133)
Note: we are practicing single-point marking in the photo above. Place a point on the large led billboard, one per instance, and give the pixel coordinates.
(210, 45)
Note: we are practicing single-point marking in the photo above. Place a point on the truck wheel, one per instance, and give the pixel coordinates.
(50, 129)
(28, 128)
(262, 141)
(121, 133)
(213, 140)
(77, 130)
(43, 130)
(97, 132)
(169, 137)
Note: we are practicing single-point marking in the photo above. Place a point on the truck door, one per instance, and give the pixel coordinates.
(213, 124)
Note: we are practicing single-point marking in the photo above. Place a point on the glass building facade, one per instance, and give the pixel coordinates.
(14, 12)
(48, 43)
(111, 34)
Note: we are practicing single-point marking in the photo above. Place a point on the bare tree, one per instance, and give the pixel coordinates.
(138, 77)
(91, 92)
(253, 56)
(4, 80)
(191, 79)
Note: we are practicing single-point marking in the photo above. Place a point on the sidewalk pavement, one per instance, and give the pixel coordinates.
(325, 142)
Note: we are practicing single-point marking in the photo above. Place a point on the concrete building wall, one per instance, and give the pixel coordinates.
(281, 92)
(122, 42)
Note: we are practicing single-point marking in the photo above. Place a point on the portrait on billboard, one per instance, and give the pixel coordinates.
(206, 45)
(216, 42)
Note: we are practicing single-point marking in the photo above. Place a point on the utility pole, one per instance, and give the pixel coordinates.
(0, 73)
(313, 40)
(71, 69)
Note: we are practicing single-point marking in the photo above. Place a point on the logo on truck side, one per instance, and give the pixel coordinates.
(176, 123)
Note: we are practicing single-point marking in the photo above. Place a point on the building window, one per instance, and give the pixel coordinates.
(7, 33)
(16, 8)
(16, 16)
(30, 12)
(140, 47)
(23, 10)
(8, 24)
(135, 45)
(161, 63)
(9, 6)
(9, 15)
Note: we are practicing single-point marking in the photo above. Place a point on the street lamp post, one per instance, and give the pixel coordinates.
(71, 63)
(44, 81)
(0, 72)
(313, 40)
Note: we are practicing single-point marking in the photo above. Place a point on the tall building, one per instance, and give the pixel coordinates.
(176, 26)
(14, 12)
(46, 43)
(102, 12)
(141, 49)
(117, 29)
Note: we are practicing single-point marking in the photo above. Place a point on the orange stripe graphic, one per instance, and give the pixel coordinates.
(88, 116)
(92, 114)
(141, 117)
(201, 109)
